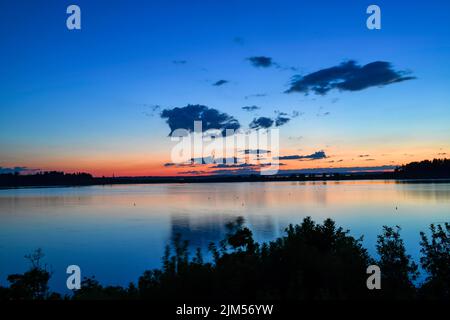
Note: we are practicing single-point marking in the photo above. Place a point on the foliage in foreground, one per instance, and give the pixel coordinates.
(311, 261)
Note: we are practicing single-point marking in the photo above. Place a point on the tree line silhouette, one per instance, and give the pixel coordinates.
(434, 169)
(47, 178)
(310, 261)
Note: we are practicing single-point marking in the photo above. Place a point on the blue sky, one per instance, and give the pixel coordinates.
(81, 100)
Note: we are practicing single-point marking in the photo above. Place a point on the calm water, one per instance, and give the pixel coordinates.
(117, 232)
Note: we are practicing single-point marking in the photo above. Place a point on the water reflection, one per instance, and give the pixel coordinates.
(200, 231)
(117, 232)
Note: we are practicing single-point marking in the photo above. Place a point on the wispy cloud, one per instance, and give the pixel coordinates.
(339, 170)
(266, 122)
(256, 151)
(256, 95)
(322, 113)
(179, 62)
(251, 108)
(240, 165)
(193, 172)
(314, 156)
(151, 110)
(296, 114)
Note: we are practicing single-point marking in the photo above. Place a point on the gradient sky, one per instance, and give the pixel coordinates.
(82, 100)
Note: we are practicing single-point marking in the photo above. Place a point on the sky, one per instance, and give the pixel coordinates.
(105, 99)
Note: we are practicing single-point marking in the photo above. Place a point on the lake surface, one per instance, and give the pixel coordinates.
(117, 232)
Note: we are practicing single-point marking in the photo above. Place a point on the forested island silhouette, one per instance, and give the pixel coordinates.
(427, 169)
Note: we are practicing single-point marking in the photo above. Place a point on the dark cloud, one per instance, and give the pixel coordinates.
(261, 123)
(283, 117)
(171, 164)
(281, 120)
(256, 151)
(183, 118)
(240, 171)
(255, 170)
(314, 156)
(193, 162)
(212, 160)
(241, 165)
(290, 157)
(265, 122)
(193, 172)
(348, 76)
(261, 61)
(179, 61)
(250, 108)
(339, 170)
(220, 83)
(232, 169)
(244, 168)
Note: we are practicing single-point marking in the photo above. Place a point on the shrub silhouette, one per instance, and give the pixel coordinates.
(397, 270)
(91, 289)
(311, 261)
(31, 285)
(436, 261)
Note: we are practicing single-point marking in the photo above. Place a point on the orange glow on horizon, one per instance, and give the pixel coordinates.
(148, 164)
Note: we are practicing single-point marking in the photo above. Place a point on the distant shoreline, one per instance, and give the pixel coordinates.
(437, 170)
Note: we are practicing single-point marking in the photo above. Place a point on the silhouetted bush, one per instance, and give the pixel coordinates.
(311, 261)
(398, 271)
(91, 289)
(31, 285)
(436, 261)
